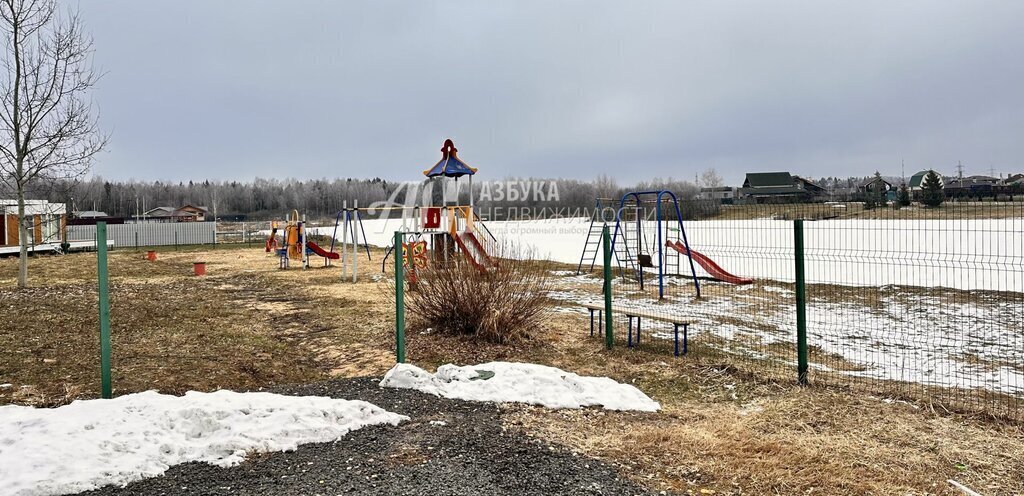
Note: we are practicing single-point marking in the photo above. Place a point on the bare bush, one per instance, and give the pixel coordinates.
(503, 304)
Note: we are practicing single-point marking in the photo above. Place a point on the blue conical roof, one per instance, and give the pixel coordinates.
(450, 165)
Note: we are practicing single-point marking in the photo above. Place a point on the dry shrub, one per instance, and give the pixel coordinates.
(502, 304)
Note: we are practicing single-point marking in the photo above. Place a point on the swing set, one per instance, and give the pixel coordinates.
(636, 248)
(639, 242)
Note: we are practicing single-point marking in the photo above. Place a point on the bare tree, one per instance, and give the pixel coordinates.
(49, 130)
(711, 179)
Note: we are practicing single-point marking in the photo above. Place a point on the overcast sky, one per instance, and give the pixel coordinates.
(233, 90)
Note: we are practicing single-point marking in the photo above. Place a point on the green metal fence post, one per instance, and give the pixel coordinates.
(104, 304)
(801, 302)
(399, 300)
(608, 337)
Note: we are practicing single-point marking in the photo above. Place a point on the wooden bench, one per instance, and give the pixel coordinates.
(636, 313)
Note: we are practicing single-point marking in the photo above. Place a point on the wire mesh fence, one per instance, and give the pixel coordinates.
(924, 304)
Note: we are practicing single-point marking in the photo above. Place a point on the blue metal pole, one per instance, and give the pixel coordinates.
(682, 231)
(661, 268)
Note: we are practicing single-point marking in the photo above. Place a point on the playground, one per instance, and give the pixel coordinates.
(692, 387)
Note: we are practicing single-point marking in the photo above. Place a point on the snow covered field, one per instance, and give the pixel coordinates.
(92, 443)
(961, 254)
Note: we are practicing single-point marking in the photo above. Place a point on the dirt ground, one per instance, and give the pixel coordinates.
(724, 429)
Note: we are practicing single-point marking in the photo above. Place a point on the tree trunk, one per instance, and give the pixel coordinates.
(22, 240)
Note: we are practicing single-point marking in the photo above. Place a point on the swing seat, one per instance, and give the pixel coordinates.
(644, 260)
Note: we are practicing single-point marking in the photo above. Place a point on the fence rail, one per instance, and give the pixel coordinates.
(910, 303)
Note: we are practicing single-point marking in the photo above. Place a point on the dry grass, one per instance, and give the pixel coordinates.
(724, 428)
(170, 330)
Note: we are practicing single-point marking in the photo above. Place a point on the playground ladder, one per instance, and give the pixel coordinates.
(592, 248)
(672, 259)
(621, 239)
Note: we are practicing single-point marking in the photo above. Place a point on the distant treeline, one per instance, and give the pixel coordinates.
(263, 199)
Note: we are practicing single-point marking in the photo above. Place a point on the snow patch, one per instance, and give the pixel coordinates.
(520, 383)
(93, 443)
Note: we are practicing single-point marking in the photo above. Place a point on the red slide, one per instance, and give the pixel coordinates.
(709, 265)
(476, 255)
(320, 251)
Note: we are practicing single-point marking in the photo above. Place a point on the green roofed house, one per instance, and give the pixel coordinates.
(917, 180)
(773, 187)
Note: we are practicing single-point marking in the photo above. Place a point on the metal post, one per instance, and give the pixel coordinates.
(661, 261)
(344, 238)
(606, 236)
(399, 300)
(305, 256)
(801, 302)
(355, 244)
(104, 304)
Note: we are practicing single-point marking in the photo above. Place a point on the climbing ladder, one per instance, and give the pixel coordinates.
(592, 246)
(626, 244)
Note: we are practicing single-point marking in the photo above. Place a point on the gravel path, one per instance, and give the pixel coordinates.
(449, 447)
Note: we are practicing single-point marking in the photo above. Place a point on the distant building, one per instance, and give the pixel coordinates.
(190, 213)
(1014, 180)
(724, 194)
(917, 180)
(158, 214)
(89, 214)
(47, 219)
(187, 213)
(971, 186)
(768, 187)
(874, 185)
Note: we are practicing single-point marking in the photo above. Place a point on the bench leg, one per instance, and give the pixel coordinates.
(685, 336)
(591, 322)
(675, 331)
(600, 323)
(638, 331)
(629, 326)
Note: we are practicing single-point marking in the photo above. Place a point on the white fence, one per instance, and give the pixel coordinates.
(150, 234)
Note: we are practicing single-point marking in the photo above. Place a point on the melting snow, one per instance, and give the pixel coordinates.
(92, 443)
(521, 383)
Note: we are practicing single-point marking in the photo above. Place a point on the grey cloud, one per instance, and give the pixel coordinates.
(233, 90)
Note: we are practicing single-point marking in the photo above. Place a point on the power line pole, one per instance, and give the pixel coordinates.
(960, 170)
